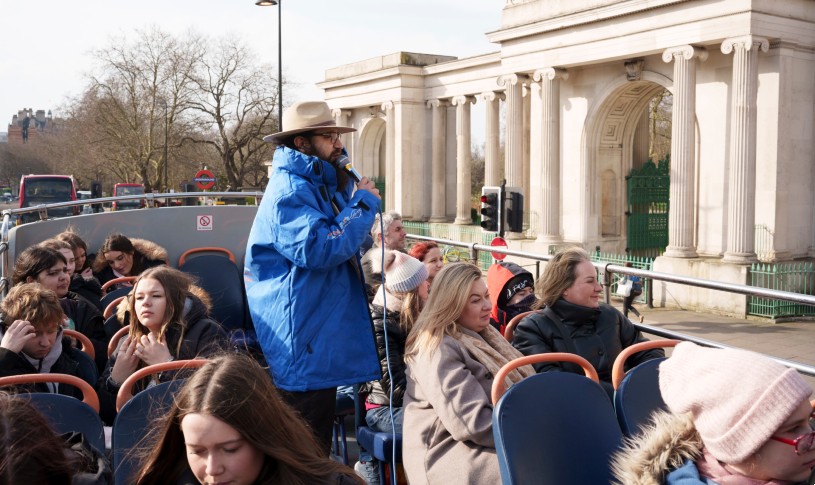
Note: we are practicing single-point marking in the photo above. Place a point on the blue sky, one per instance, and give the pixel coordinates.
(48, 43)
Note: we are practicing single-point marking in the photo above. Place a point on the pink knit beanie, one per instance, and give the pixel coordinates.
(738, 398)
(403, 273)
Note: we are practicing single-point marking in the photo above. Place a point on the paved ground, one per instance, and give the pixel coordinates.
(794, 340)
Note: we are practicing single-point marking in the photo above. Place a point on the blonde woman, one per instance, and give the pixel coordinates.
(452, 354)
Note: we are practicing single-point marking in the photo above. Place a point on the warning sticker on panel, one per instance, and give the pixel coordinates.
(204, 222)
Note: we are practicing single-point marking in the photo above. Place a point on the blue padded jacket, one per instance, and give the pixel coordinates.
(305, 292)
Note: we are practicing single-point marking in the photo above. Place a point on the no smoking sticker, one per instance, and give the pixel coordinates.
(203, 222)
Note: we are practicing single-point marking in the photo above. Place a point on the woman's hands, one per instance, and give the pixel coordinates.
(126, 361)
(147, 348)
(152, 350)
(17, 335)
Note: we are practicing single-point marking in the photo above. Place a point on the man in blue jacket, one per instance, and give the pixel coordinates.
(304, 285)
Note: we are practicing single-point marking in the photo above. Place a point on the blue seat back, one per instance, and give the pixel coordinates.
(555, 427)
(223, 281)
(135, 420)
(67, 414)
(638, 397)
(112, 295)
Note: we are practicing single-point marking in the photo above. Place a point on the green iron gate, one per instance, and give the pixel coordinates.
(648, 196)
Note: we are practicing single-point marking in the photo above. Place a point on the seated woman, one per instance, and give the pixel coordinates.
(452, 355)
(120, 256)
(50, 268)
(32, 340)
(512, 292)
(736, 417)
(83, 282)
(229, 425)
(573, 320)
(169, 320)
(400, 299)
(428, 253)
(32, 453)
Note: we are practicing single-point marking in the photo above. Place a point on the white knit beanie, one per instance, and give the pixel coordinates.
(738, 399)
(403, 273)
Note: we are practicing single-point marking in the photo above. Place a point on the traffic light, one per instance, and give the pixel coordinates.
(491, 209)
(514, 216)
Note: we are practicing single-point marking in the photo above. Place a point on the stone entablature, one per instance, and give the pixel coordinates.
(570, 105)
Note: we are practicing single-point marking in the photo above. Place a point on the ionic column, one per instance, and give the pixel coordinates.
(683, 148)
(741, 210)
(492, 141)
(513, 149)
(549, 227)
(438, 193)
(526, 138)
(463, 159)
(390, 156)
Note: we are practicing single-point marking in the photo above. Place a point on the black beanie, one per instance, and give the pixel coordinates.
(514, 285)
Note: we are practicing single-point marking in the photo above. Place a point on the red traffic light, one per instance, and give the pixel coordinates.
(489, 198)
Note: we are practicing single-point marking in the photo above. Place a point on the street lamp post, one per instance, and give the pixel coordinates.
(269, 3)
(166, 137)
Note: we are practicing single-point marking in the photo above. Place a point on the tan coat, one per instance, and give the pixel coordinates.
(447, 432)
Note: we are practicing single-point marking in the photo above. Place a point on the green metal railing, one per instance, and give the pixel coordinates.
(797, 277)
(637, 262)
(468, 234)
(379, 182)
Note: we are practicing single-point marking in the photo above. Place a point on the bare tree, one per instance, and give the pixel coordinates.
(235, 104)
(143, 88)
(660, 110)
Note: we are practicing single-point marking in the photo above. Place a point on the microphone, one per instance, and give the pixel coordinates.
(345, 164)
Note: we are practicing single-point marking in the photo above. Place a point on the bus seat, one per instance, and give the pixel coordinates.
(138, 414)
(345, 406)
(554, 427)
(113, 295)
(509, 331)
(636, 393)
(66, 413)
(218, 274)
(381, 446)
(87, 346)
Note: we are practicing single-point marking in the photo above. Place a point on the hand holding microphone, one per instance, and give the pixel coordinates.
(363, 183)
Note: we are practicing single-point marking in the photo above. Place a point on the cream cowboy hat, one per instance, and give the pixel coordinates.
(307, 116)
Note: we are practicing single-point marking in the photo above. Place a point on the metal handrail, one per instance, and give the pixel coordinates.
(654, 275)
(610, 269)
(146, 197)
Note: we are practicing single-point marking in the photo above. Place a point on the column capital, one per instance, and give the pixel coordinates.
(387, 105)
(436, 103)
(461, 100)
(687, 52)
(746, 42)
(508, 80)
(489, 96)
(550, 73)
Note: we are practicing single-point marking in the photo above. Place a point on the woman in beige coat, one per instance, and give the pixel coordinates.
(452, 354)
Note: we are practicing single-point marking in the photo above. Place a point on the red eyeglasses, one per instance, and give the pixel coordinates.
(803, 444)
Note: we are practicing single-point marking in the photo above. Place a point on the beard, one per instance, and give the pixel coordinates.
(342, 177)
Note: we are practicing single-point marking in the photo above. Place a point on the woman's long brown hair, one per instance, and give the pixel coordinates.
(238, 391)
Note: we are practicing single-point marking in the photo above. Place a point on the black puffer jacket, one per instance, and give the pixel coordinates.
(89, 289)
(598, 335)
(396, 346)
(89, 322)
(203, 337)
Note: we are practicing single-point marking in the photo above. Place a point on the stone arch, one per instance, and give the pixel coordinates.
(607, 146)
(371, 148)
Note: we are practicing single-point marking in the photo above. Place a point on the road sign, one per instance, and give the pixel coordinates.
(498, 241)
(204, 179)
